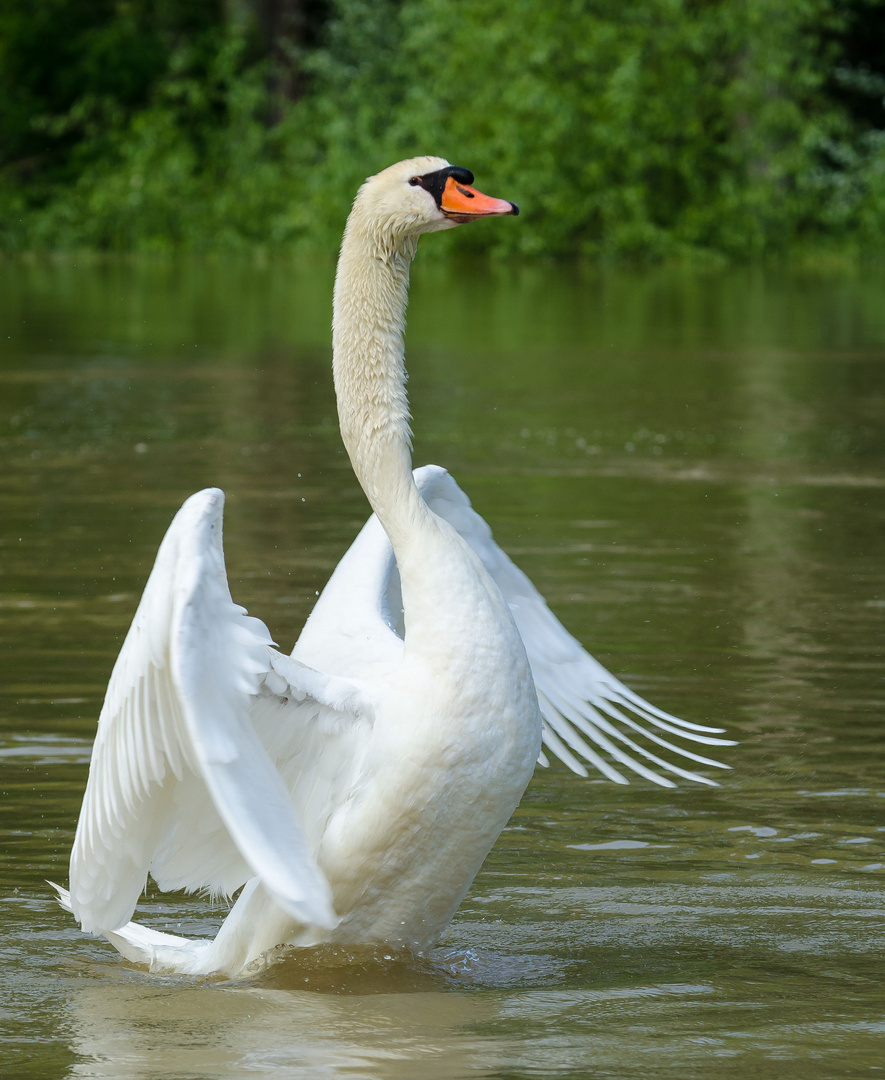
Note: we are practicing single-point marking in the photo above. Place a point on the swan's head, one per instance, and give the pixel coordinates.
(423, 194)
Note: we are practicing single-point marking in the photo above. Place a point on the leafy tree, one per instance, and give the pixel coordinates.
(639, 127)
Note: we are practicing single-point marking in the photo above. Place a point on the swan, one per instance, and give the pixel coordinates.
(352, 790)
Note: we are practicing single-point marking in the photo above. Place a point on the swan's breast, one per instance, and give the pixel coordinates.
(450, 759)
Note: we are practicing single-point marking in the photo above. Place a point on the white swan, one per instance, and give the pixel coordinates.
(354, 788)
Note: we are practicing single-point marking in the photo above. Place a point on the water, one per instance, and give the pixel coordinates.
(690, 466)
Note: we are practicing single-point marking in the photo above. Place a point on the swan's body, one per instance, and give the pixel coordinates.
(354, 788)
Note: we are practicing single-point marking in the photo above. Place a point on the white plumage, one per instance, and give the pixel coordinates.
(353, 789)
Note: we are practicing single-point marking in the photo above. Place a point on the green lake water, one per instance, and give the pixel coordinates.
(691, 468)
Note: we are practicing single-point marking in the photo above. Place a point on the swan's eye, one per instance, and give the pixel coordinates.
(415, 181)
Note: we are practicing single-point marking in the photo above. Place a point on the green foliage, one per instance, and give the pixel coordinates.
(67, 66)
(638, 128)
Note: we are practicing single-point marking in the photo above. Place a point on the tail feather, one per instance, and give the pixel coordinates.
(141, 945)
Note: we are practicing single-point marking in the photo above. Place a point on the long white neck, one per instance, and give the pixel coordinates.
(371, 294)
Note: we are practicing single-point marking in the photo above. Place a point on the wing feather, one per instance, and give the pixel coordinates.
(579, 698)
(180, 782)
(365, 586)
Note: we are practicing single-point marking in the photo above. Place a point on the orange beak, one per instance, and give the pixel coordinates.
(462, 203)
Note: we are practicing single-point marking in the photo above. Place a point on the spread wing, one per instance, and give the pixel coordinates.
(182, 782)
(586, 710)
(589, 715)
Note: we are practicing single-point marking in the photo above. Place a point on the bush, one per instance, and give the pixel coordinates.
(641, 128)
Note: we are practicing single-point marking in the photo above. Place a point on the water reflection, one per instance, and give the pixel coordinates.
(321, 1012)
(161, 1031)
(765, 954)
